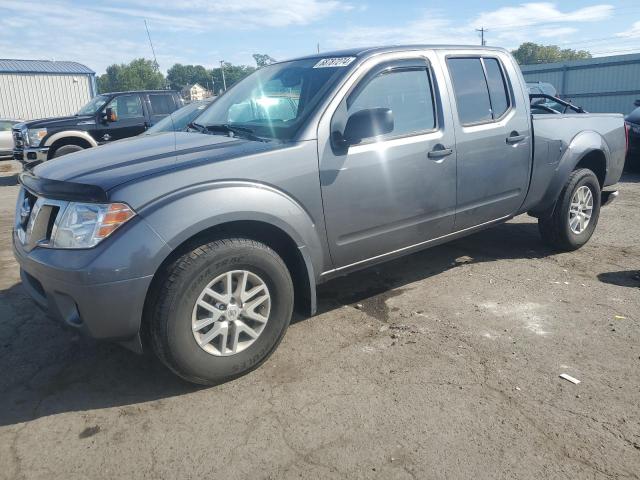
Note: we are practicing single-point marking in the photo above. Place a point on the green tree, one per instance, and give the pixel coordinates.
(530, 53)
(232, 74)
(262, 60)
(179, 76)
(140, 74)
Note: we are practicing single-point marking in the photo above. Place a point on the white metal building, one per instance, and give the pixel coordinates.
(32, 89)
(602, 84)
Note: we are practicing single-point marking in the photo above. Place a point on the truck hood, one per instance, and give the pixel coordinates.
(57, 121)
(127, 160)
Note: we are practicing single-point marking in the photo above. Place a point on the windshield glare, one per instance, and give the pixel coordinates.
(93, 106)
(274, 101)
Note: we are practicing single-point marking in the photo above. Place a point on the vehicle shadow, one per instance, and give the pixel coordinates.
(628, 278)
(370, 288)
(48, 370)
(9, 180)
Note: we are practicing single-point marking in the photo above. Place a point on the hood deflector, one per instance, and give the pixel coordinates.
(62, 190)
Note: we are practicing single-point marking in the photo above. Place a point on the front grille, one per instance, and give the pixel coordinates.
(36, 219)
(18, 139)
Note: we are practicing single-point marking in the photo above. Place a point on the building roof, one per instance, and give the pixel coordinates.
(42, 66)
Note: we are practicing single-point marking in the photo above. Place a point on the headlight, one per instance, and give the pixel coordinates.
(84, 225)
(35, 135)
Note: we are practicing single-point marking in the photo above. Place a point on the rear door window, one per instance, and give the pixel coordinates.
(480, 97)
(498, 92)
(161, 104)
(470, 87)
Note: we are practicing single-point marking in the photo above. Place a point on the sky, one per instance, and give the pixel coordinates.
(99, 33)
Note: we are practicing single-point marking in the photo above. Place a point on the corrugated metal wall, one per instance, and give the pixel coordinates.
(603, 84)
(27, 96)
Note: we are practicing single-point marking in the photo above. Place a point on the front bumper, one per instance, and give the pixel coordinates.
(100, 291)
(30, 157)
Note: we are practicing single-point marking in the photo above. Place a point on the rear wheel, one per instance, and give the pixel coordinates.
(65, 150)
(220, 310)
(575, 214)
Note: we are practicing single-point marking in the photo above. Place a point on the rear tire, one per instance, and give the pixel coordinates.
(176, 310)
(65, 150)
(568, 227)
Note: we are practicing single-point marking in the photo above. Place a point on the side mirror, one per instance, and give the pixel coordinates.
(110, 115)
(637, 103)
(367, 124)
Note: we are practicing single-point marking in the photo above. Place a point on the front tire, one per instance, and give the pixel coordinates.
(575, 214)
(66, 150)
(220, 310)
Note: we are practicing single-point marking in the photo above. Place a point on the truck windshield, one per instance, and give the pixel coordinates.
(93, 106)
(274, 101)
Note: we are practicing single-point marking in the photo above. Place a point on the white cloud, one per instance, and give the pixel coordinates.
(530, 14)
(429, 28)
(556, 32)
(204, 15)
(633, 32)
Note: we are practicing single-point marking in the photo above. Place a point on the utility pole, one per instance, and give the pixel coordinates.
(482, 31)
(318, 47)
(224, 82)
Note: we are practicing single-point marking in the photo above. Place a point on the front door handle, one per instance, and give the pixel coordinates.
(515, 137)
(439, 152)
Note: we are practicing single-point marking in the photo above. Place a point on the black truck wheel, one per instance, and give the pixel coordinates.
(220, 310)
(575, 214)
(66, 149)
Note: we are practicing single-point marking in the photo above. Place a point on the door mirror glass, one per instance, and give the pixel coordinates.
(366, 124)
(110, 115)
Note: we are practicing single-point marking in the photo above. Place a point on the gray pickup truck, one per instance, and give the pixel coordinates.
(199, 244)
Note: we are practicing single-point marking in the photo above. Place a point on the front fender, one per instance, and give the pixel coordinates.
(71, 134)
(580, 146)
(182, 214)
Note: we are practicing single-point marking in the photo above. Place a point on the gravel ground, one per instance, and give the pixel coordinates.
(443, 364)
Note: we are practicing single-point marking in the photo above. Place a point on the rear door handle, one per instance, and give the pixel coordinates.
(515, 138)
(439, 152)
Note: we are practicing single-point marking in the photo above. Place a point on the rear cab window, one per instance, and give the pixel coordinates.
(481, 90)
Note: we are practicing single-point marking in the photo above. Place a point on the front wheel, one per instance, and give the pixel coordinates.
(220, 310)
(66, 150)
(575, 214)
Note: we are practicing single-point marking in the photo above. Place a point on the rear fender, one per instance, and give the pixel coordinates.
(579, 148)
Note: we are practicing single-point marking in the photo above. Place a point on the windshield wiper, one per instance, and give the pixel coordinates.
(235, 131)
(197, 126)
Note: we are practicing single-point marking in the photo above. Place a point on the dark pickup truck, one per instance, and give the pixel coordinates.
(107, 117)
(199, 244)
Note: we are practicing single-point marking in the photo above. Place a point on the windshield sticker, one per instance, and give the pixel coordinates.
(334, 62)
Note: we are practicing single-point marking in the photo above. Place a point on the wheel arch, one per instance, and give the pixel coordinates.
(587, 149)
(296, 259)
(70, 137)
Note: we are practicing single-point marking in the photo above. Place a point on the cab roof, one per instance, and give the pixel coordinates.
(364, 52)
